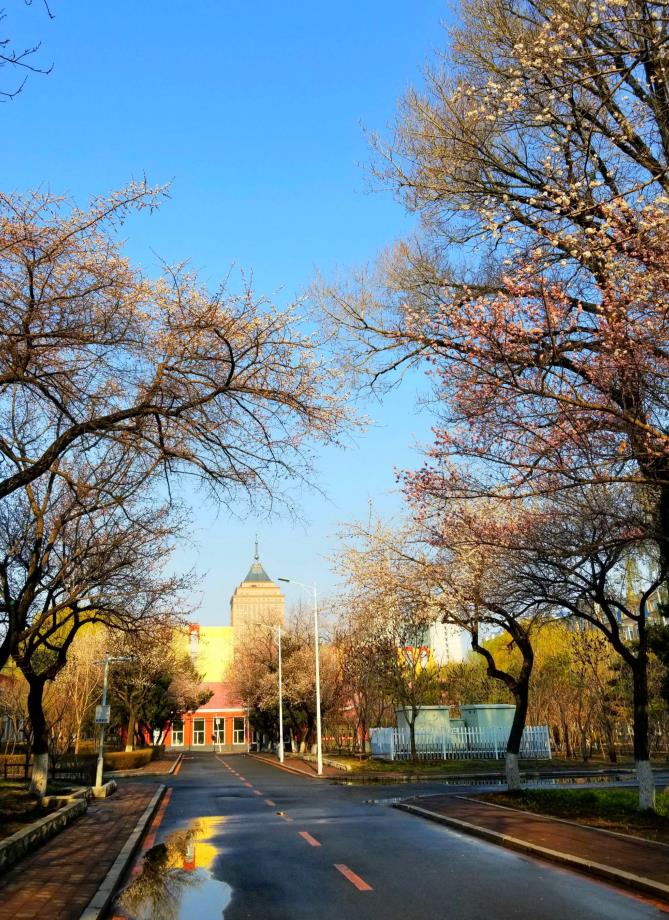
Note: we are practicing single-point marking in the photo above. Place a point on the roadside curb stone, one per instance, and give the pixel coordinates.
(110, 883)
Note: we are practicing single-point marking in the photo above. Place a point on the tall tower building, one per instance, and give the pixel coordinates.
(257, 601)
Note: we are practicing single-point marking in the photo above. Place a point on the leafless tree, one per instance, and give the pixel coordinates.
(224, 387)
(21, 60)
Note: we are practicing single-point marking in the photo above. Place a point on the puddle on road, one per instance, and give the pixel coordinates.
(529, 779)
(176, 881)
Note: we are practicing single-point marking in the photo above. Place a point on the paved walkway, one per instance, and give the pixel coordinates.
(627, 854)
(297, 765)
(58, 880)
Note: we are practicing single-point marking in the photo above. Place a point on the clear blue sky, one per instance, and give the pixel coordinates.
(255, 113)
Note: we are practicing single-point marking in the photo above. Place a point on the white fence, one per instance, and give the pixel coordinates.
(459, 743)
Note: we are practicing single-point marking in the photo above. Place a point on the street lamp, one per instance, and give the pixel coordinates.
(278, 639)
(319, 746)
(102, 712)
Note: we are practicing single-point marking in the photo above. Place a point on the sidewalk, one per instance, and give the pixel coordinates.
(59, 879)
(297, 765)
(630, 861)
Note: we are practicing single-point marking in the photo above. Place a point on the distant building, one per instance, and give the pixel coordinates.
(446, 643)
(222, 723)
(257, 601)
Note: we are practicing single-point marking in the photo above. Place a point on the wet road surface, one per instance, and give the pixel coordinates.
(238, 838)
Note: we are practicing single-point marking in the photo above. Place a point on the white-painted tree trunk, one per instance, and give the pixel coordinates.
(40, 774)
(646, 779)
(512, 771)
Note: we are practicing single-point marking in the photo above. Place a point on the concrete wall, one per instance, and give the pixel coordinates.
(488, 715)
(429, 719)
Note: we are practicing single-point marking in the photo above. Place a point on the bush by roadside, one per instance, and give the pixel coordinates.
(128, 760)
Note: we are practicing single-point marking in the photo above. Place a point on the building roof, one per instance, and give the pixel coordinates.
(257, 573)
(225, 696)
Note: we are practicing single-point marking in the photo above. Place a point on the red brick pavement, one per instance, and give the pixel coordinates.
(629, 854)
(58, 880)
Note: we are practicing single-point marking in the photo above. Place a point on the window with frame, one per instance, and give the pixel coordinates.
(198, 731)
(238, 730)
(177, 733)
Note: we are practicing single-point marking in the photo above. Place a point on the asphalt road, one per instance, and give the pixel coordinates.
(242, 839)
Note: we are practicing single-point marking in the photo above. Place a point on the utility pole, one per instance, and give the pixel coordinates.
(278, 633)
(102, 714)
(319, 742)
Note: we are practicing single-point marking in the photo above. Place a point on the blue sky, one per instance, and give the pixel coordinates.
(255, 113)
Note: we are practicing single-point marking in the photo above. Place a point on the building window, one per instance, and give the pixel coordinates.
(198, 731)
(219, 730)
(238, 730)
(177, 733)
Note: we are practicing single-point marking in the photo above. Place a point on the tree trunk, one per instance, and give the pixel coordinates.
(610, 742)
(40, 733)
(412, 738)
(641, 749)
(567, 741)
(521, 699)
(130, 736)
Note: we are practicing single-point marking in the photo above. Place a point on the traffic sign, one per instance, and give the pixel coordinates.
(102, 715)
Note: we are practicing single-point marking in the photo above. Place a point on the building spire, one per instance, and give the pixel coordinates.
(256, 557)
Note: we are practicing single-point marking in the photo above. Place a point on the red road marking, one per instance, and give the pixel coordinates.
(177, 768)
(354, 879)
(310, 840)
(250, 785)
(270, 803)
(257, 792)
(157, 821)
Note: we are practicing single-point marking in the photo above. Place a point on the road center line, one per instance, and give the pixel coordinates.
(310, 840)
(354, 879)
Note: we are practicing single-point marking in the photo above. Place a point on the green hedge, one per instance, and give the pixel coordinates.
(13, 758)
(128, 760)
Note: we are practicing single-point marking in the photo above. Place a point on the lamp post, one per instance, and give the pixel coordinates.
(102, 715)
(278, 635)
(319, 746)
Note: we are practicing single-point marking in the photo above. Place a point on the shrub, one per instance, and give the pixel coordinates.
(127, 760)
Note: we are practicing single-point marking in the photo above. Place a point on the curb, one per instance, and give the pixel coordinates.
(627, 879)
(102, 897)
(175, 764)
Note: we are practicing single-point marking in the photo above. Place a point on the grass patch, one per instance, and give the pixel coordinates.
(612, 809)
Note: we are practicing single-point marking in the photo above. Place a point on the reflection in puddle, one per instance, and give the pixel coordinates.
(531, 779)
(176, 881)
